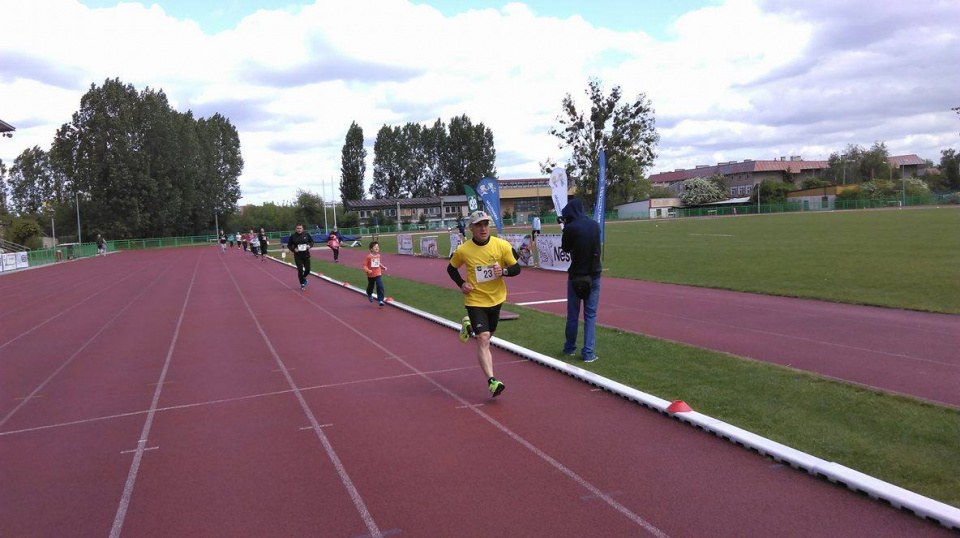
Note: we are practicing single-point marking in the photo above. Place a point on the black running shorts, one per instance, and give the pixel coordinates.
(484, 319)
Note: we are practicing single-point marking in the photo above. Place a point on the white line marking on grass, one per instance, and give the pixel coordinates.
(48, 320)
(138, 456)
(240, 398)
(492, 421)
(551, 301)
(79, 350)
(327, 446)
(714, 235)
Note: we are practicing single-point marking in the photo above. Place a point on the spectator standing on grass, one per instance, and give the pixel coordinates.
(461, 227)
(581, 238)
(536, 228)
(101, 246)
(373, 267)
(300, 244)
(488, 259)
(334, 243)
(223, 241)
(262, 237)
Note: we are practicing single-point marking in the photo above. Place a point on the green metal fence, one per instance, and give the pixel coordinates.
(85, 250)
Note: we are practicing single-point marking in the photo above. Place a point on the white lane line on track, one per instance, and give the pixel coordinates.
(241, 398)
(494, 422)
(79, 350)
(327, 446)
(48, 320)
(551, 301)
(144, 435)
(311, 427)
(135, 449)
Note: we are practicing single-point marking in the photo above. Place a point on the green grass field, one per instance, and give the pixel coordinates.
(901, 259)
(901, 440)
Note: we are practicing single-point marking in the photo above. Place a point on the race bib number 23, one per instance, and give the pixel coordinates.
(484, 273)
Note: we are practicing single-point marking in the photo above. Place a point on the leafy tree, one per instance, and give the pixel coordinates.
(814, 183)
(353, 164)
(950, 168)
(662, 192)
(410, 154)
(3, 188)
(874, 164)
(435, 141)
(31, 181)
(771, 192)
(698, 190)
(386, 164)
(309, 208)
(22, 229)
(625, 131)
(470, 154)
(142, 168)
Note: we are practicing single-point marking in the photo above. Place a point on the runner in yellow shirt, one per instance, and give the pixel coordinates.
(488, 260)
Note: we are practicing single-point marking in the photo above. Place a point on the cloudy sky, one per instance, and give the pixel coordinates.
(729, 80)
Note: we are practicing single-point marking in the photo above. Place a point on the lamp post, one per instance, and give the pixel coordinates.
(843, 163)
(79, 235)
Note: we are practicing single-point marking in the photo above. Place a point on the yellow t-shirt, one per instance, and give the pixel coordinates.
(487, 289)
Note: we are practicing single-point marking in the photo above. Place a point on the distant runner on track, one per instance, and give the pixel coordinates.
(300, 244)
(262, 237)
(484, 290)
(223, 242)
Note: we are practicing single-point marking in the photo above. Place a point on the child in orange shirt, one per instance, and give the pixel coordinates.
(373, 268)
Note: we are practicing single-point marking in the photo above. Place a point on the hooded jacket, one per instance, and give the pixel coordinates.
(581, 238)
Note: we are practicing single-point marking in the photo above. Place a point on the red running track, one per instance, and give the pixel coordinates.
(907, 352)
(205, 395)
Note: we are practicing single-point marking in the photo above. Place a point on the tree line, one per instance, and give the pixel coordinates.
(136, 166)
(417, 161)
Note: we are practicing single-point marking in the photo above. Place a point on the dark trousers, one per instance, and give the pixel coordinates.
(303, 267)
(336, 253)
(375, 280)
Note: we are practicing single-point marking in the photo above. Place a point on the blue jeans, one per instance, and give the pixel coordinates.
(378, 282)
(589, 319)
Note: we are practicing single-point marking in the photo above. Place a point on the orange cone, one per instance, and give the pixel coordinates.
(389, 299)
(679, 406)
(346, 285)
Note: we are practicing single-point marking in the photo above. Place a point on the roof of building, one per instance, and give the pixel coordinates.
(6, 127)
(728, 168)
(906, 160)
(379, 203)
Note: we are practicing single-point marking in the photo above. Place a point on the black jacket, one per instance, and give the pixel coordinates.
(581, 238)
(300, 239)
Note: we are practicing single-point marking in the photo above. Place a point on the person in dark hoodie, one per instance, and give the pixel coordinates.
(300, 244)
(581, 238)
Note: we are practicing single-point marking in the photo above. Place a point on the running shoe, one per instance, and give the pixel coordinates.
(591, 358)
(303, 287)
(370, 298)
(496, 387)
(305, 282)
(382, 303)
(465, 329)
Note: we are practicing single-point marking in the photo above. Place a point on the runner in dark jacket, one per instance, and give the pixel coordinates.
(300, 244)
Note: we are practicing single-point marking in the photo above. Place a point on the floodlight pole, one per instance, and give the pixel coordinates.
(903, 185)
(843, 162)
(79, 235)
(216, 225)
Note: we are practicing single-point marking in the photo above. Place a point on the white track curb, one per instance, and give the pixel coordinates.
(914, 503)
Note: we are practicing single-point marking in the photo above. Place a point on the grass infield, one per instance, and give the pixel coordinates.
(893, 258)
(904, 441)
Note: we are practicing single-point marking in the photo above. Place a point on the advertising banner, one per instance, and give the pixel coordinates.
(473, 201)
(428, 247)
(23, 260)
(601, 207)
(521, 244)
(558, 189)
(454, 242)
(549, 253)
(405, 244)
(489, 190)
(9, 261)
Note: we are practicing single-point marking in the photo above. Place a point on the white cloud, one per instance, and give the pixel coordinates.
(741, 79)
